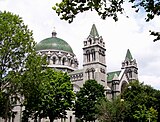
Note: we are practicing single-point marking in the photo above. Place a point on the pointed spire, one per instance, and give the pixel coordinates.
(128, 55)
(94, 32)
(54, 32)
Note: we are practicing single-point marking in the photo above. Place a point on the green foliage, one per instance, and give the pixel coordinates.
(111, 110)
(50, 95)
(142, 102)
(145, 115)
(57, 94)
(157, 103)
(151, 7)
(157, 34)
(2, 103)
(16, 43)
(30, 84)
(9, 95)
(87, 98)
(68, 9)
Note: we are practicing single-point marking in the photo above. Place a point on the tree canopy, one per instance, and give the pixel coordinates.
(58, 95)
(30, 85)
(50, 95)
(138, 102)
(111, 110)
(87, 98)
(16, 43)
(142, 102)
(68, 9)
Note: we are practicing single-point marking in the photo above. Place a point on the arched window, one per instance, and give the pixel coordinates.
(63, 61)
(90, 41)
(59, 60)
(93, 73)
(127, 63)
(130, 73)
(72, 62)
(88, 73)
(88, 55)
(48, 59)
(54, 60)
(93, 55)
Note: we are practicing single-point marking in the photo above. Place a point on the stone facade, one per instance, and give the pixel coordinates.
(94, 67)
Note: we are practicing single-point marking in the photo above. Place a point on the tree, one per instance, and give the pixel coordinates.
(50, 97)
(142, 102)
(87, 98)
(68, 9)
(2, 102)
(111, 110)
(16, 43)
(31, 86)
(157, 103)
(58, 95)
(152, 9)
(145, 115)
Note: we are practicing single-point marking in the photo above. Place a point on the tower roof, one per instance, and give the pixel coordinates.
(128, 55)
(94, 32)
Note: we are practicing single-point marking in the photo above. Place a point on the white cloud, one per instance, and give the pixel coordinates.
(151, 80)
(132, 33)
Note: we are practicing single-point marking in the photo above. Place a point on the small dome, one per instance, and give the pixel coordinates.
(55, 44)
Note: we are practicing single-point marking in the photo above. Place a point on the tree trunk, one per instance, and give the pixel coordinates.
(39, 119)
(6, 112)
(35, 119)
(5, 120)
(51, 118)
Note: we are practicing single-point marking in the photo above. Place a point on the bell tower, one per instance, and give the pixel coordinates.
(130, 65)
(94, 63)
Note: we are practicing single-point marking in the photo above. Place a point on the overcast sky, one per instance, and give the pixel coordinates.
(128, 33)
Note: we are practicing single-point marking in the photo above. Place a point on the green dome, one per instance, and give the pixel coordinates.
(54, 43)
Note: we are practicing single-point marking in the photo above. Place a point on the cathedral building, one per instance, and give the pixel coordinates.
(61, 56)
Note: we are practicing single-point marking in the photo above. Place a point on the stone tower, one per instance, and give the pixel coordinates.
(130, 65)
(115, 86)
(94, 63)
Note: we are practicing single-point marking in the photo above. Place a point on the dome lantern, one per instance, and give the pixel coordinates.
(54, 33)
